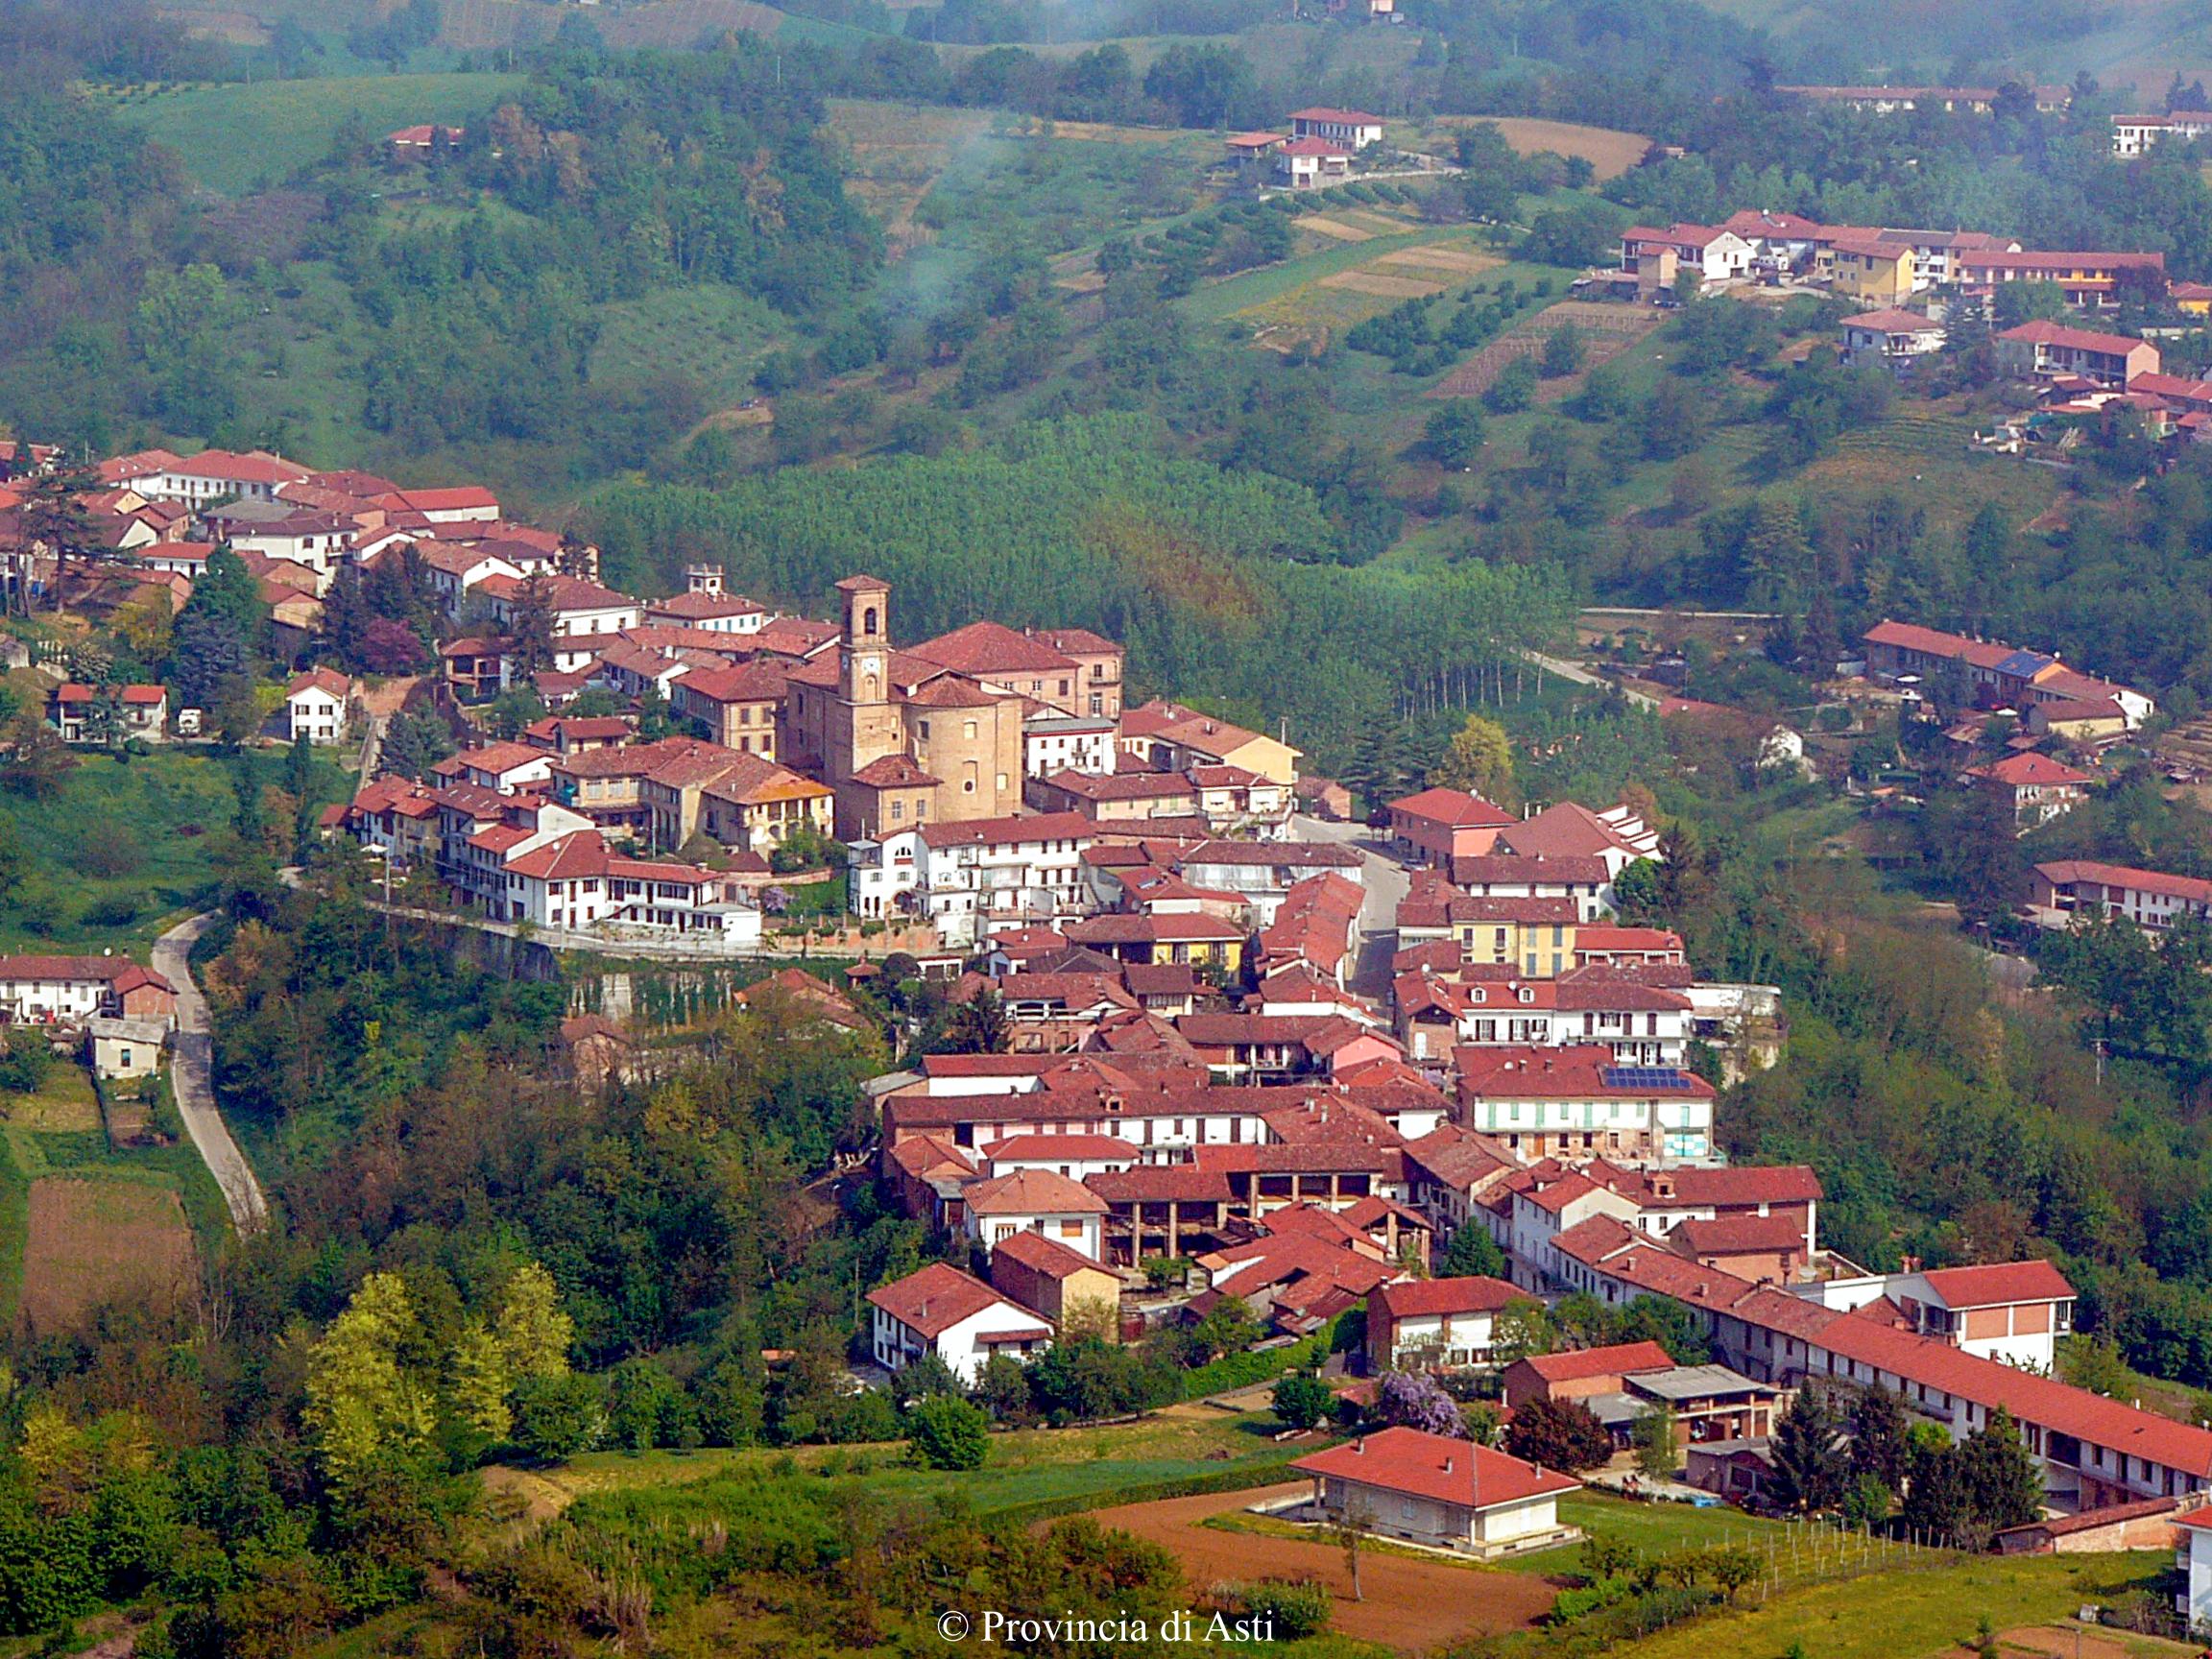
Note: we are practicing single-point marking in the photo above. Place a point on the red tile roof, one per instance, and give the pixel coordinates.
(993, 650)
(747, 683)
(1456, 809)
(935, 1299)
(1045, 1255)
(1577, 1072)
(2028, 771)
(2000, 1281)
(1033, 1193)
(1443, 1470)
(1341, 117)
(2070, 339)
(1621, 1359)
(1012, 832)
(1477, 1293)
(1070, 1149)
(1739, 1235)
(894, 772)
(2065, 872)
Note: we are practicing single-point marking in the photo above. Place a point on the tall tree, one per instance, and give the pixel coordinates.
(1878, 1428)
(1480, 760)
(530, 625)
(53, 515)
(1812, 1470)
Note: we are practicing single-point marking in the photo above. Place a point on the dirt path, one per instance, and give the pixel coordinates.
(1411, 1605)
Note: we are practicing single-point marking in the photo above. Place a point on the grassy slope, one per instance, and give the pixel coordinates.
(1908, 1615)
(1025, 1467)
(232, 137)
(159, 803)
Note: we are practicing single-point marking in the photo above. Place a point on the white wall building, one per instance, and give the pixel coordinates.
(960, 1319)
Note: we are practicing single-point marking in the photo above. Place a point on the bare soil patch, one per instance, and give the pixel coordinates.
(91, 1242)
(1411, 1605)
(1609, 151)
(1106, 132)
(1334, 227)
(1442, 259)
(1376, 282)
(2065, 1642)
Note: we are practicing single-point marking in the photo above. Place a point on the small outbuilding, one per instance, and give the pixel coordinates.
(126, 1046)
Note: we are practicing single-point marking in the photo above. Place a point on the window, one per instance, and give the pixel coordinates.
(968, 730)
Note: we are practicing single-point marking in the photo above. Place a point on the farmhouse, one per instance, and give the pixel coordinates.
(1353, 129)
(48, 990)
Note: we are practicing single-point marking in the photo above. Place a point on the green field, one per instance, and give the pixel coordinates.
(1096, 1466)
(234, 140)
(120, 851)
(1913, 1615)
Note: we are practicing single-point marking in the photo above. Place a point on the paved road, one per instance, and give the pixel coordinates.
(1581, 676)
(191, 1077)
(1386, 881)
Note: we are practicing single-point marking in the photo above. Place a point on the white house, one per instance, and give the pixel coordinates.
(2193, 1559)
(586, 616)
(1353, 129)
(1890, 335)
(1718, 255)
(1077, 1156)
(42, 990)
(1056, 742)
(315, 706)
(1435, 1322)
(1305, 163)
(706, 604)
(975, 878)
(1036, 1200)
(960, 1319)
(1445, 1493)
(1579, 1103)
(2014, 1311)
(579, 881)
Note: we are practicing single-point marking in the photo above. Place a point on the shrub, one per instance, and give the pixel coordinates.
(1293, 1608)
(947, 1432)
(1301, 1400)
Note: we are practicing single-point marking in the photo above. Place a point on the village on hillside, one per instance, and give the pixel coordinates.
(1236, 1054)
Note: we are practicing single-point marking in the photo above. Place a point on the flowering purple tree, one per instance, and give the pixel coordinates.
(774, 900)
(1416, 1400)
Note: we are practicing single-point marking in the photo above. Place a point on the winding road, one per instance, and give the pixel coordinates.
(192, 1076)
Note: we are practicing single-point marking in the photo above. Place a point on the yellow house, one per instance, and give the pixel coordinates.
(1533, 936)
(2195, 299)
(1866, 268)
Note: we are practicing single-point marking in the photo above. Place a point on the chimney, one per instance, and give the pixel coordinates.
(1447, 1465)
(1359, 1447)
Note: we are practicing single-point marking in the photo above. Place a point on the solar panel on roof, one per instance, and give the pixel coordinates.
(1642, 1078)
